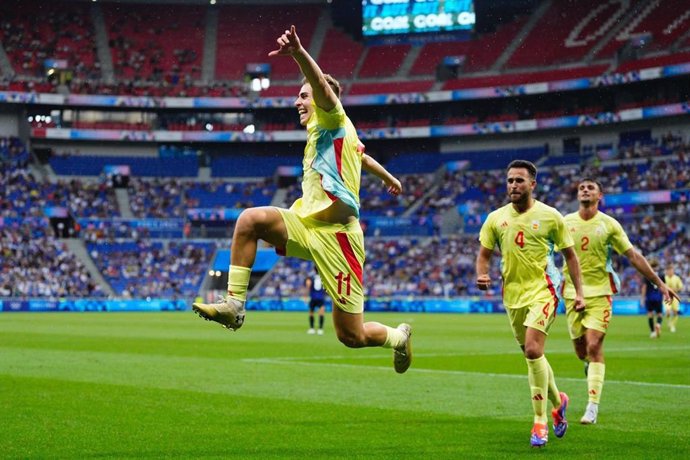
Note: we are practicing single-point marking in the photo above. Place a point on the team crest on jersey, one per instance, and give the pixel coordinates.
(535, 225)
(600, 230)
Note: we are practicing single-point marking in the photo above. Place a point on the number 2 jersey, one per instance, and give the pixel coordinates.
(527, 242)
(595, 239)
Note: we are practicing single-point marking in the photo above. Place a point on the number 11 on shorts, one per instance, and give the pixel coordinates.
(342, 279)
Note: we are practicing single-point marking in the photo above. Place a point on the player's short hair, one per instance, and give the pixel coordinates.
(592, 180)
(654, 263)
(528, 165)
(332, 82)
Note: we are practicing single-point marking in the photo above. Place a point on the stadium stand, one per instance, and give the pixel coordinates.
(479, 53)
(238, 36)
(161, 52)
(661, 21)
(32, 31)
(572, 27)
(91, 165)
(146, 268)
(383, 61)
(164, 45)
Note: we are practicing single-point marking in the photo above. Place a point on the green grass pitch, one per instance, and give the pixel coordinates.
(169, 385)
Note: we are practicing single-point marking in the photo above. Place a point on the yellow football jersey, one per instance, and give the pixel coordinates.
(674, 282)
(595, 239)
(527, 242)
(332, 162)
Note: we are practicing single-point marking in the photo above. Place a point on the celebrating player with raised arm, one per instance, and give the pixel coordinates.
(526, 232)
(595, 235)
(323, 225)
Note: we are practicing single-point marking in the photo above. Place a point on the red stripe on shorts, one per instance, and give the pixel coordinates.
(552, 289)
(352, 261)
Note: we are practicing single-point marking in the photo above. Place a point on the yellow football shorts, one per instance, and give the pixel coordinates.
(336, 250)
(596, 315)
(538, 316)
(674, 305)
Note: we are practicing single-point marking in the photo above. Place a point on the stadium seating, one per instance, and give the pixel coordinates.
(480, 53)
(520, 78)
(383, 60)
(230, 195)
(141, 269)
(85, 165)
(159, 52)
(664, 20)
(572, 29)
(34, 264)
(242, 41)
(155, 43)
(248, 166)
(34, 31)
(412, 86)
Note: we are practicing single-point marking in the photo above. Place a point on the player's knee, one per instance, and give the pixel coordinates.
(251, 221)
(533, 351)
(246, 222)
(350, 338)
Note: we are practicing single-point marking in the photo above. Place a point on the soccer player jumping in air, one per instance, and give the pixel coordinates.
(526, 232)
(322, 225)
(595, 235)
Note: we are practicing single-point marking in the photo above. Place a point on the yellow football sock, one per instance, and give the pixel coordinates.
(538, 377)
(554, 394)
(238, 281)
(595, 381)
(394, 337)
(674, 321)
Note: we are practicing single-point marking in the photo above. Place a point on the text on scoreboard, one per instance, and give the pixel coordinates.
(387, 17)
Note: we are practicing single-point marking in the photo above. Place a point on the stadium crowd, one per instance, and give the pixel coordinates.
(431, 266)
(33, 263)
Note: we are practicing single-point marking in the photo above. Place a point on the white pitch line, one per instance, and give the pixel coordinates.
(513, 351)
(294, 361)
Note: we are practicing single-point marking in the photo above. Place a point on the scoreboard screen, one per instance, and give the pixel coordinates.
(399, 17)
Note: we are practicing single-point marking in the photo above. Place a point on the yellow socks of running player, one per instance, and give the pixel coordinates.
(538, 377)
(554, 394)
(595, 381)
(238, 282)
(394, 337)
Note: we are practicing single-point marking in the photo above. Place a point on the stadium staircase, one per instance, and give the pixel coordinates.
(77, 247)
(5, 65)
(102, 48)
(520, 37)
(319, 37)
(204, 174)
(208, 60)
(408, 62)
(451, 222)
(678, 45)
(122, 196)
(600, 44)
(279, 198)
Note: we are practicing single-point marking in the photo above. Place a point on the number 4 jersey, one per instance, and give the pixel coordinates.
(595, 239)
(527, 242)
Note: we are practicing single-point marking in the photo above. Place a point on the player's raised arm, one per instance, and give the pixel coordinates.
(289, 45)
(374, 167)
